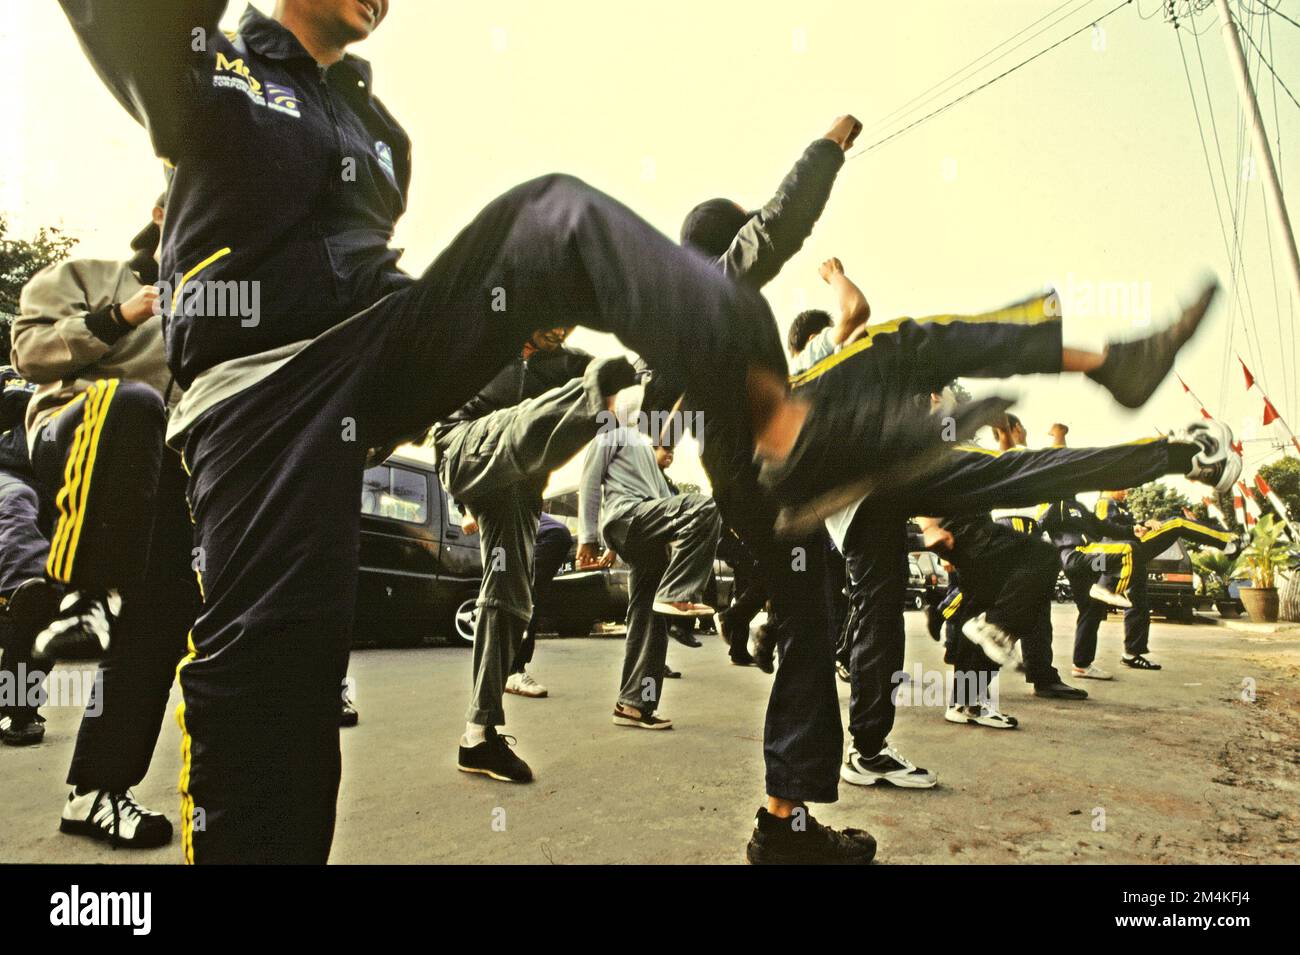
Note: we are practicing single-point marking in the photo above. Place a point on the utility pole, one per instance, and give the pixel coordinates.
(1262, 152)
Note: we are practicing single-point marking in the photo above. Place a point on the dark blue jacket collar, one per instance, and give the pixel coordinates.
(271, 39)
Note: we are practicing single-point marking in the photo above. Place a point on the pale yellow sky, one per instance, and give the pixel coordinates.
(1084, 167)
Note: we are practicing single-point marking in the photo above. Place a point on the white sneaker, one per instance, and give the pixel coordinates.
(998, 645)
(522, 684)
(982, 715)
(1107, 596)
(887, 766)
(115, 818)
(1216, 464)
(1090, 672)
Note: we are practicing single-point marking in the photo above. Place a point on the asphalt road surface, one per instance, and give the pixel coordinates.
(1177, 766)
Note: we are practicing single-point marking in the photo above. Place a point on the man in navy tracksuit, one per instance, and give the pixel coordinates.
(1090, 551)
(302, 346)
(1148, 539)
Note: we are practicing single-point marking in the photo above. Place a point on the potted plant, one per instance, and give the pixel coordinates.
(1214, 567)
(1262, 558)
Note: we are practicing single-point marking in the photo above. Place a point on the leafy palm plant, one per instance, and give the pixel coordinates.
(1266, 554)
(1215, 569)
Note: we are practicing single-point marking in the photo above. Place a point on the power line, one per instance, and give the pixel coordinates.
(1265, 3)
(1270, 66)
(1236, 256)
(931, 115)
(1290, 298)
(953, 78)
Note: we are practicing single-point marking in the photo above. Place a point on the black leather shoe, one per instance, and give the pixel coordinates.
(348, 715)
(683, 636)
(1059, 691)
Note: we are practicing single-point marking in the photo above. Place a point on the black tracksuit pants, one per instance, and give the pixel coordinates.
(98, 462)
(1010, 576)
(1137, 619)
(276, 474)
(115, 745)
(1118, 564)
(802, 731)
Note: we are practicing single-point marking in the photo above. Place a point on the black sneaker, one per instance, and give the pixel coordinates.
(22, 730)
(764, 649)
(802, 840)
(1133, 370)
(115, 818)
(1139, 662)
(887, 766)
(1056, 690)
(80, 631)
(835, 459)
(493, 757)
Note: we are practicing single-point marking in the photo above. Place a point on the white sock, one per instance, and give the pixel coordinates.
(474, 734)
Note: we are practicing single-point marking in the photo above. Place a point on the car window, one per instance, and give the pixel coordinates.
(455, 516)
(396, 493)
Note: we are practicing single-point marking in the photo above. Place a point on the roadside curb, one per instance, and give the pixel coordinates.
(1288, 627)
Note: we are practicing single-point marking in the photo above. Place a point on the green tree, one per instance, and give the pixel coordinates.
(1157, 500)
(20, 259)
(1283, 476)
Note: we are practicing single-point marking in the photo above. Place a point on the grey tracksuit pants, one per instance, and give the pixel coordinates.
(669, 544)
(497, 466)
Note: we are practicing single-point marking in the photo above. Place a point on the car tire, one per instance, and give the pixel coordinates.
(461, 621)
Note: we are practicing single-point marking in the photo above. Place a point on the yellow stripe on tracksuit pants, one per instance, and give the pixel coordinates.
(1181, 527)
(187, 742)
(73, 498)
(1034, 311)
(1126, 560)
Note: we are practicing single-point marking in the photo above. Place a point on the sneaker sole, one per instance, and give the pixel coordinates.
(531, 696)
(668, 610)
(755, 857)
(19, 741)
(490, 774)
(975, 721)
(1089, 676)
(76, 827)
(1111, 599)
(995, 726)
(627, 721)
(854, 778)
